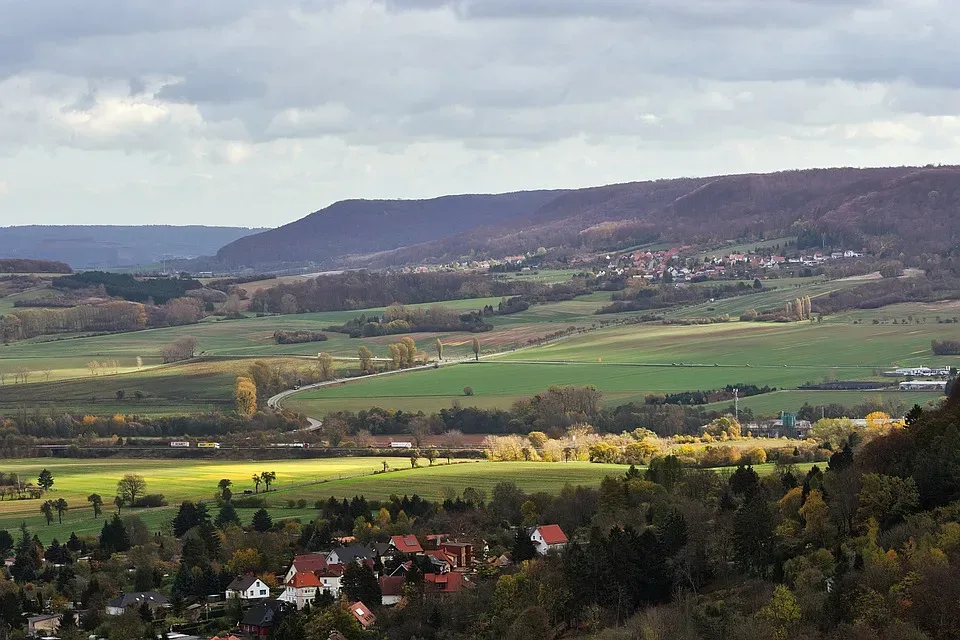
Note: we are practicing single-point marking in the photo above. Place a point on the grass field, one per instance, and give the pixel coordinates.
(197, 480)
(790, 400)
(628, 362)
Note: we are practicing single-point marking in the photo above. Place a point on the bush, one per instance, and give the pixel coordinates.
(291, 504)
(298, 337)
(249, 502)
(468, 391)
(151, 500)
(946, 347)
(301, 504)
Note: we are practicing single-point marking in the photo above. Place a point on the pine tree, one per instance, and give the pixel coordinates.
(262, 521)
(227, 516)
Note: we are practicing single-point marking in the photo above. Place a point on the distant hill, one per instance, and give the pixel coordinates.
(369, 226)
(86, 247)
(889, 210)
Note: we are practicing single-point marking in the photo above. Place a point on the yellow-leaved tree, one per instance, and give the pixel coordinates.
(245, 396)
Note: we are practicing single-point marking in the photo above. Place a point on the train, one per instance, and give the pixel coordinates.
(183, 444)
(401, 445)
(292, 445)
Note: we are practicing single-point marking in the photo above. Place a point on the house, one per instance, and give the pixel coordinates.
(43, 625)
(548, 537)
(354, 553)
(501, 561)
(300, 590)
(437, 583)
(330, 578)
(121, 603)
(306, 563)
(363, 614)
(247, 588)
(406, 544)
(258, 620)
(440, 560)
(461, 552)
(391, 588)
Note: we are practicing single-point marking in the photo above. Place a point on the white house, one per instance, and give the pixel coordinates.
(548, 537)
(248, 588)
(330, 579)
(300, 590)
(119, 605)
(305, 564)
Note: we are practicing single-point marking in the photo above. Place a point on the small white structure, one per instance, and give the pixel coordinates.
(923, 385)
(248, 588)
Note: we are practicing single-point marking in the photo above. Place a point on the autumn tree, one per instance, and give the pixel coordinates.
(180, 349)
(245, 397)
(256, 482)
(366, 359)
(439, 349)
(325, 366)
(409, 351)
(476, 349)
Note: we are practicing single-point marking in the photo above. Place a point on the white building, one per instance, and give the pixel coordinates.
(248, 588)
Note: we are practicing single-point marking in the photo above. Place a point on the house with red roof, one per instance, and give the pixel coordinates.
(306, 564)
(548, 537)
(363, 614)
(301, 589)
(406, 544)
(461, 552)
(391, 588)
(438, 583)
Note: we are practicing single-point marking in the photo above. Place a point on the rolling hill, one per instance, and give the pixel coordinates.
(895, 210)
(103, 246)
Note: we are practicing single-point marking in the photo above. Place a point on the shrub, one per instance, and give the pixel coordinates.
(468, 391)
(151, 500)
(301, 504)
(249, 502)
(298, 337)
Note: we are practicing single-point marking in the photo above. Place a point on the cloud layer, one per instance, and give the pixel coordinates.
(256, 112)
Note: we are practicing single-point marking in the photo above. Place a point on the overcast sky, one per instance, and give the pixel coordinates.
(257, 112)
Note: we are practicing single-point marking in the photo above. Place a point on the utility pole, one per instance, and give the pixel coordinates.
(736, 404)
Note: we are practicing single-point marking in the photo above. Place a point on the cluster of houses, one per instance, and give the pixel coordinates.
(451, 562)
(656, 265)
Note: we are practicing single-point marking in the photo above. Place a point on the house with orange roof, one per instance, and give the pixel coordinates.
(406, 544)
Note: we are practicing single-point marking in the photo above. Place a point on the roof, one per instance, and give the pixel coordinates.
(445, 582)
(392, 585)
(440, 556)
(331, 571)
(552, 534)
(303, 579)
(336, 635)
(261, 614)
(407, 544)
(362, 613)
(310, 562)
(43, 617)
(351, 553)
(242, 583)
(125, 600)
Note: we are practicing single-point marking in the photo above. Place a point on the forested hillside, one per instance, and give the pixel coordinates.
(890, 211)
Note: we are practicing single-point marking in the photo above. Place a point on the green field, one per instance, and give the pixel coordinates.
(769, 404)
(307, 479)
(628, 362)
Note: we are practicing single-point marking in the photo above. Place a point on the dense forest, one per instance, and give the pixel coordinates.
(25, 265)
(367, 289)
(123, 285)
